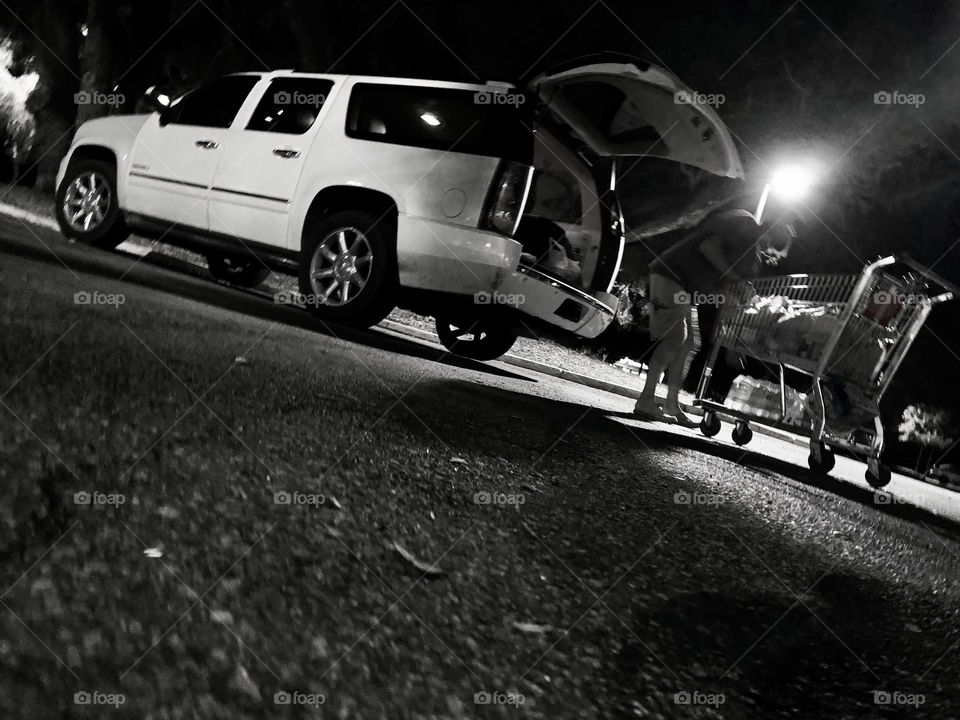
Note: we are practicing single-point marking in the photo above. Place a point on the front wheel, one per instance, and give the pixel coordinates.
(237, 271)
(477, 339)
(348, 268)
(742, 434)
(87, 206)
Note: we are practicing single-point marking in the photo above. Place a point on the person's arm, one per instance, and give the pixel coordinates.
(715, 253)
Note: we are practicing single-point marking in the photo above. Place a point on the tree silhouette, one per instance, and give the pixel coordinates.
(930, 428)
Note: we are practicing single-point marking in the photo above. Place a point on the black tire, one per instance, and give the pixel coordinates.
(828, 460)
(878, 481)
(477, 339)
(710, 425)
(374, 300)
(742, 434)
(111, 230)
(237, 271)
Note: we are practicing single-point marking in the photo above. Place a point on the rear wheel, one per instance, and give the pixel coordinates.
(87, 206)
(348, 269)
(478, 339)
(825, 462)
(710, 425)
(237, 271)
(879, 477)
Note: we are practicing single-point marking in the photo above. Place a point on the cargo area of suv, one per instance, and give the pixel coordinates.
(561, 229)
(593, 114)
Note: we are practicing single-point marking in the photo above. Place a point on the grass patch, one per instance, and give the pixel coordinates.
(27, 199)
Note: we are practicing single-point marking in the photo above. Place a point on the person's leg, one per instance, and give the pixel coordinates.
(675, 374)
(668, 321)
(695, 340)
(661, 358)
(706, 322)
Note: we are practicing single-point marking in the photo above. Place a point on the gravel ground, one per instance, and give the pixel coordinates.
(638, 573)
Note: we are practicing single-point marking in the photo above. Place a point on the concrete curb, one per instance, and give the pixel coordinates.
(27, 216)
(51, 224)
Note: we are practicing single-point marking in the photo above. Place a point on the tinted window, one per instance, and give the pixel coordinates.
(555, 197)
(443, 119)
(619, 117)
(290, 105)
(213, 105)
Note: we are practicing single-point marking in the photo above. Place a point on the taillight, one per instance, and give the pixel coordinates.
(508, 198)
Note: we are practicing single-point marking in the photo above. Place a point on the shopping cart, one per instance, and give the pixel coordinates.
(848, 333)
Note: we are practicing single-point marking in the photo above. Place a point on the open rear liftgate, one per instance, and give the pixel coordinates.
(857, 330)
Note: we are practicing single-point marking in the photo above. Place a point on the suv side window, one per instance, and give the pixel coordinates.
(290, 105)
(445, 119)
(214, 105)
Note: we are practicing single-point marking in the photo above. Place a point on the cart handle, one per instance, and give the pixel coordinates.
(952, 290)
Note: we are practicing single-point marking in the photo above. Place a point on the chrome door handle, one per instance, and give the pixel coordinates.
(207, 144)
(286, 153)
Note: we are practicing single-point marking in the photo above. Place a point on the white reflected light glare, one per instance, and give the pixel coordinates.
(789, 184)
(792, 183)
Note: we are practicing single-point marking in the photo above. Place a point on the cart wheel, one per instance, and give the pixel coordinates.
(879, 479)
(710, 425)
(826, 462)
(742, 434)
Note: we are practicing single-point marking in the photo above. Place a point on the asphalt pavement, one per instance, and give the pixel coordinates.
(215, 506)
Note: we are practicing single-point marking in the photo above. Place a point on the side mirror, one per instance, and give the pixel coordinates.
(157, 101)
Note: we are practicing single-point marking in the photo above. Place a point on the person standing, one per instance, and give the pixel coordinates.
(727, 247)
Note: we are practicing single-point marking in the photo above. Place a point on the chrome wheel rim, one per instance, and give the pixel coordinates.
(87, 201)
(340, 267)
(467, 333)
(235, 267)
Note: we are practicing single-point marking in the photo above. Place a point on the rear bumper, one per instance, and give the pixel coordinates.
(558, 304)
(441, 257)
(449, 258)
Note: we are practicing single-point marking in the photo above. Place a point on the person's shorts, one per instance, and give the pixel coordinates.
(671, 312)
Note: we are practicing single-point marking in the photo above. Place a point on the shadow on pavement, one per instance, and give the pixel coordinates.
(185, 280)
(805, 476)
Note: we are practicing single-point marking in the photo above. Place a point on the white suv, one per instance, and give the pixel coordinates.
(491, 209)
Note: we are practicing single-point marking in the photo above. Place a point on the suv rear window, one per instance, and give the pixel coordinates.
(446, 119)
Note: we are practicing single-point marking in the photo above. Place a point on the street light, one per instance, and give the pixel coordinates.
(789, 184)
